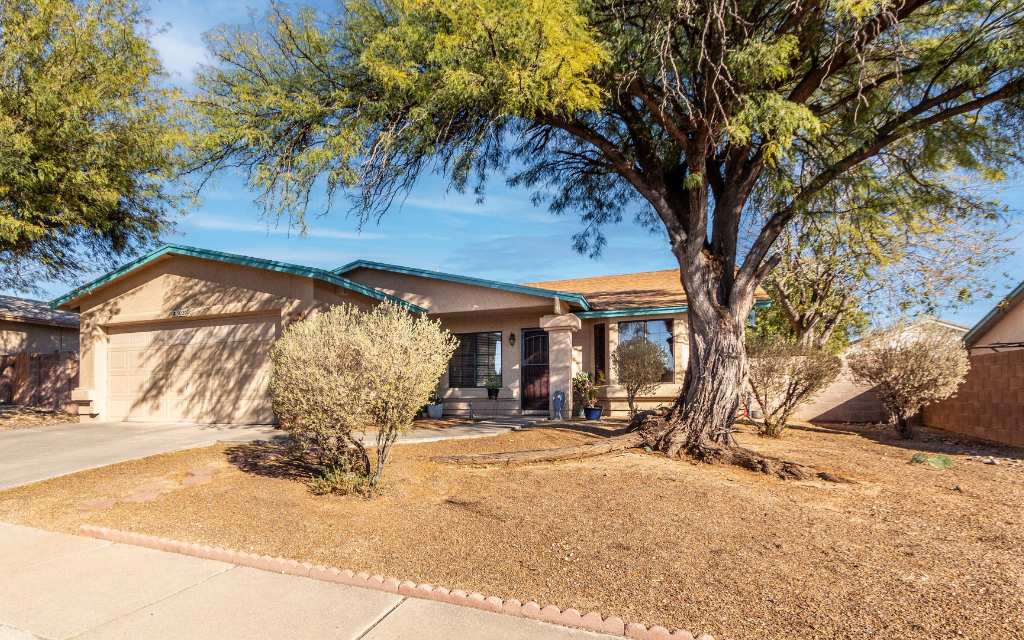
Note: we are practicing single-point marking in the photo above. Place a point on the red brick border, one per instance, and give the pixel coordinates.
(592, 621)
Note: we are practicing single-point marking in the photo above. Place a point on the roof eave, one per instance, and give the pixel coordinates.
(74, 295)
(994, 315)
(574, 298)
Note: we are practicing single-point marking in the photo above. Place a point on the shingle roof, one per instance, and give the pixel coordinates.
(644, 289)
(625, 291)
(35, 312)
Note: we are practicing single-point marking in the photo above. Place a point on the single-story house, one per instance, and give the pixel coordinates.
(184, 333)
(38, 353)
(1002, 328)
(30, 326)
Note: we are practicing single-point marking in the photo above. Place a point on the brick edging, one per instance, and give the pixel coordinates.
(592, 621)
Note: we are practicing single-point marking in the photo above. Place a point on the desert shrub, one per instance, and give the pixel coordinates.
(938, 461)
(910, 366)
(639, 367)
(783, 375)
(340, 373)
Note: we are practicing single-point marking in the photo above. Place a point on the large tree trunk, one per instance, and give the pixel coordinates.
(716, 372)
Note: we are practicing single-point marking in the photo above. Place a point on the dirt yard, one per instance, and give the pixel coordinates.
(907, 552)
(18, 417)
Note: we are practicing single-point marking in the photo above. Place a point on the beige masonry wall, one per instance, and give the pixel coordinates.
(990, 403)
(165, 302)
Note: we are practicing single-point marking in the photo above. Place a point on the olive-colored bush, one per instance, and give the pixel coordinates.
(910, 366)
(340, 374)
(783, 375)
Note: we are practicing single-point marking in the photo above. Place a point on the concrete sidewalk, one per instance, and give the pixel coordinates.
(57, 586)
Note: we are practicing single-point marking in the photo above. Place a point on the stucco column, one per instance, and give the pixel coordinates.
(560, 356)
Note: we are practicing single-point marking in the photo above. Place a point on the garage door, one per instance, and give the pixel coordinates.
(210, 370)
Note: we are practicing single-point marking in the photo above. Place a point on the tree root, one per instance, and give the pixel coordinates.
(647, 430)
(575, 452)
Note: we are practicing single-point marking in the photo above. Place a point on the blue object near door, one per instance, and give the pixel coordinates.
(592, 413)
(558, 404)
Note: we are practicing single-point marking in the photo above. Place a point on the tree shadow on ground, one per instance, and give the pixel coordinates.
(270, 459)
(925, 439)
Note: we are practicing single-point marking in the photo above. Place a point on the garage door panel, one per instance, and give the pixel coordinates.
(208, 370)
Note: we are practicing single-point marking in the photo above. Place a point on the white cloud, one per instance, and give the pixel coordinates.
(179, 54)
(492, 207)
(220, 224)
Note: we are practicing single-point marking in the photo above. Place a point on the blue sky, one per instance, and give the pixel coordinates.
(505, 238)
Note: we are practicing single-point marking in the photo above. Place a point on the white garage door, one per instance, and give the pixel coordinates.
(210, 370)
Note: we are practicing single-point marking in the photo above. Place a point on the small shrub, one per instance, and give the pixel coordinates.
(639, 367)
(783, 375)
(910, 366)
(339, 373)
(937, 461)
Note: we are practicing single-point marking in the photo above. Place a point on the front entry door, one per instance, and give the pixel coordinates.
(535, 369)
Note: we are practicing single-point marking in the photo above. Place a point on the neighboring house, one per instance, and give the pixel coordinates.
(1002, 328)
(990, 403)
(38, 353)
(30, 326)
(184, 333)
(846, 400)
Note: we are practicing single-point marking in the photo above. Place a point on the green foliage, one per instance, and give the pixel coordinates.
(639, 366)
(938, 461)
(342, 481)
(771, 323)
(87, 138)
(341, 372)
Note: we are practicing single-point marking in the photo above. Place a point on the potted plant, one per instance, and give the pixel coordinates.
(493, 384)
(580, 383)
(591, 409)
(435, 405)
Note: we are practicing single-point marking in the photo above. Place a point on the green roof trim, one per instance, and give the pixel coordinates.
(992, 316)
(231, 258)
(650, 311)
(574, 298)
(638, 311)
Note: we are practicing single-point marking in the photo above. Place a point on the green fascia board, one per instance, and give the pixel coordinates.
(650, 311)
(245, 261)
(994, 314)
(575, 298)
(639, 311)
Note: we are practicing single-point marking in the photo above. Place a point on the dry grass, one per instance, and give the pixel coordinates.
(905, 553)
(18, 417)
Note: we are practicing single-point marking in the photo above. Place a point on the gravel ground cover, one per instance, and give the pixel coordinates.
(18, 417)
(906, 552)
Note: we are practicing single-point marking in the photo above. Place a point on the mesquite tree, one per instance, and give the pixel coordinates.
(719, 122)
(88, 139)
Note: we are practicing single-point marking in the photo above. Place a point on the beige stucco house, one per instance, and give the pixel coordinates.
(1002, 328)
(30, 326)
(184, 333)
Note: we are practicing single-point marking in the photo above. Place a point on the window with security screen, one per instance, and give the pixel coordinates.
(477, 356)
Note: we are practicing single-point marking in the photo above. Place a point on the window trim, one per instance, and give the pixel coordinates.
(671, 377)
(498, 358)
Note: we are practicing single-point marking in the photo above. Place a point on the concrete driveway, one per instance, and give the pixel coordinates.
(30, 455)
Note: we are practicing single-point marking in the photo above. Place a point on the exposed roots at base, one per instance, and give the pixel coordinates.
(651, 429)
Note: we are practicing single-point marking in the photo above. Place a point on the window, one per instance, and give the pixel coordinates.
(477, 356)
(657, 331)
(600, 352)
